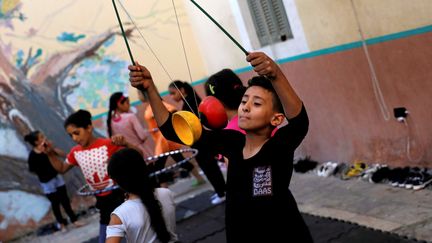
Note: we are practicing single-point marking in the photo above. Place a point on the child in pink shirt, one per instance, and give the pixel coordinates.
(121, 121)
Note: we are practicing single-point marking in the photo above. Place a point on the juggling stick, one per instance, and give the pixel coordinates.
(220, 27)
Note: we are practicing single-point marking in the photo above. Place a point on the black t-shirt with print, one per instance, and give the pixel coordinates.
(259, 204)
(41, 166)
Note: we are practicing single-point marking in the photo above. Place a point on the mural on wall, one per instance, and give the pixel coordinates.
(37, 90)
(40, 86)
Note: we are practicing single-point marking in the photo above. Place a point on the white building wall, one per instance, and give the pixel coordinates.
(233, 15)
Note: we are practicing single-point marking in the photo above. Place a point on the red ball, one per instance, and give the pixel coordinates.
(213, 113)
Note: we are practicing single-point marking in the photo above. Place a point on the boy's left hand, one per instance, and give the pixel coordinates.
(263, 64)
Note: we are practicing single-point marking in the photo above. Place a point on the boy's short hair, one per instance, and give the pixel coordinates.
(227, 87)
(266, 84)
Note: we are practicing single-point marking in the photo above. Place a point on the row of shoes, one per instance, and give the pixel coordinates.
(409, 178)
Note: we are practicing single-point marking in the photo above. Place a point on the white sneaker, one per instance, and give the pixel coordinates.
(330, 169)
(217, 200)
(327, 169)
(214, 196)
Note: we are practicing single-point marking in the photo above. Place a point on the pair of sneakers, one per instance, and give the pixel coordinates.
(327, 169)
(417, 180)
(215, 199)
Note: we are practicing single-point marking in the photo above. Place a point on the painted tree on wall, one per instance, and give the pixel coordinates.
(45, 74)
(34, 93)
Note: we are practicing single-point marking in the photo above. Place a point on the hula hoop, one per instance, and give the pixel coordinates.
(151, 130)
(86, 191)
(176, 165)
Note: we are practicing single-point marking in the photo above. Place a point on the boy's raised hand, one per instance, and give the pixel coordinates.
(139, 76)
(263, 65)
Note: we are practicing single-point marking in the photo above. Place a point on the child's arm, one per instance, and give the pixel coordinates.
(47, 145)
(120, 140)
(264, 65)
(112, 236)
(59, 165)
(60, 152)
(53, 154)
(140, 78)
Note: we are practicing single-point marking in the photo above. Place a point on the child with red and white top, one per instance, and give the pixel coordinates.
(91, 154)
(92, 161)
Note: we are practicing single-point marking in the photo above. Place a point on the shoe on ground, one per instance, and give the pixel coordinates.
(355, 170)
(380, 175)
(217, 200)
(398, 176)
(329, 169)
(414, 179)
(320, 171)
(425, 180)
(213, 196)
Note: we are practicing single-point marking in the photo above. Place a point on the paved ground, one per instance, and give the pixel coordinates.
(208, 227)
(335, 211)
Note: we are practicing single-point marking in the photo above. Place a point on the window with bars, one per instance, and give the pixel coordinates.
(270, 21)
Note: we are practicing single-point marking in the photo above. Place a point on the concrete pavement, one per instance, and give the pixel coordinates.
(335, 210)
(207, 227)
(378, 206)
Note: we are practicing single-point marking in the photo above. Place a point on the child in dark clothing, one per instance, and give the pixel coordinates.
(259, 204)
(52, 184)
(183, 91)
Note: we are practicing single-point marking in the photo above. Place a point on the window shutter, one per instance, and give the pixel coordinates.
(270, 20)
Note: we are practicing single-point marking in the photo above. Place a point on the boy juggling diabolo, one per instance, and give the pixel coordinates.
(259, 205)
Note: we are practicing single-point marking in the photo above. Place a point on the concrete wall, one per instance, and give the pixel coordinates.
(346, 119)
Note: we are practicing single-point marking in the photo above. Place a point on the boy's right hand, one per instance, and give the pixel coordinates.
(139, 77)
